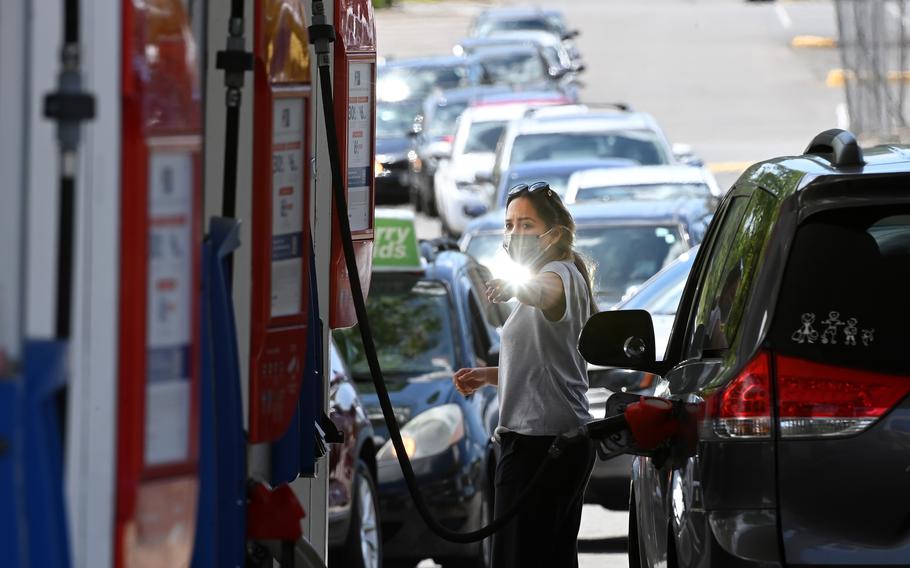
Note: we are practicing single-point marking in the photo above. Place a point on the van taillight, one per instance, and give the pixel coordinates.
(817, 400)
(742, 408)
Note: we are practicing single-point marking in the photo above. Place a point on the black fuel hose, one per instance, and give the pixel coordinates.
(615, 424)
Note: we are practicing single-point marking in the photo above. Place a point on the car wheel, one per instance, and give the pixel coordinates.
(414, 199)
(634, 542)
(429, 199)
(363, 545)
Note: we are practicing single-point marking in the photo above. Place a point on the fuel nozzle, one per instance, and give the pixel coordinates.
(658, 428)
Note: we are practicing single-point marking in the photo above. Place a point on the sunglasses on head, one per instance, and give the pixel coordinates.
(535, 187)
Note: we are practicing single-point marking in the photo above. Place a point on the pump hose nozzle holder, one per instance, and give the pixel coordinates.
(598, 430)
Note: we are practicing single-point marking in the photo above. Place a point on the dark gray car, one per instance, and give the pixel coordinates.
(792, 337)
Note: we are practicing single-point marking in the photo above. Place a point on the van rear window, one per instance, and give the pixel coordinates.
(845, 297)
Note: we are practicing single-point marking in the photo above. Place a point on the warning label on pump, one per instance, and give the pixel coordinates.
(360, 143)
(287, 206)
(170, 307)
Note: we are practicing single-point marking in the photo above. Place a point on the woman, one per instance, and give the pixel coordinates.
(542, 382)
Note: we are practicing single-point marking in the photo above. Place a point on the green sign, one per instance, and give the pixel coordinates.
(395, 246)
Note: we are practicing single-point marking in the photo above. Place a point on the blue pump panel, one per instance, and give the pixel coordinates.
(12, 505)
(223, 440)
(294, 454)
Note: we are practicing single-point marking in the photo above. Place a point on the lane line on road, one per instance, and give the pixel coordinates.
(804, 41)
(729, 167)
(783, 16)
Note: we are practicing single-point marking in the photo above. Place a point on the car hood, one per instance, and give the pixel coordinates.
(394, 148)
(465, 167)
(409, 396)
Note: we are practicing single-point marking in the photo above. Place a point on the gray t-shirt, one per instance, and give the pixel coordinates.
(543, 379)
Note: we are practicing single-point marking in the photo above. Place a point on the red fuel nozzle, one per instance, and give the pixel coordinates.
(652, 421)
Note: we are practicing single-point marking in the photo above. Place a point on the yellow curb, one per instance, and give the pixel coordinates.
(836, 78)
(728, 167)
(802, 41)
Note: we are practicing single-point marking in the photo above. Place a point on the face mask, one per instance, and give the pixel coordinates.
(525, 249)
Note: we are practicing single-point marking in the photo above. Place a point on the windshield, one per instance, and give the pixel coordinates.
(624, 257)
(541, 24)
(442, 122)
(651, 192)
(401, 83)
(514, 69)
(661, 295)
(640, 146)
(411, 326)
(395, 120)
(483, 136)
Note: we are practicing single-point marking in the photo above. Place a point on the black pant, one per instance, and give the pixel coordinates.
(545, 531)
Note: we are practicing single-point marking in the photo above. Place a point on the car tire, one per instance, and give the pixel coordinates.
(634, 542)
(363, 545)
(429, 200)
(414, 199)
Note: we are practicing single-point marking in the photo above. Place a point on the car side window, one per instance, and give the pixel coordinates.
(480, 338)
(494, 315)
(728, 281)
(710, 278)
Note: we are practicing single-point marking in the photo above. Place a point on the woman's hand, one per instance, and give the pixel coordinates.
(499, 291)
(469, 380)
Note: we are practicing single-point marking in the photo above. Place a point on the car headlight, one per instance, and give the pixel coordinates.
(378, 168)
(429, 433)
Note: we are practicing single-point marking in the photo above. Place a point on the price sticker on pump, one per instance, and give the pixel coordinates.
(169, 311)
(360, 143)
(287, 206)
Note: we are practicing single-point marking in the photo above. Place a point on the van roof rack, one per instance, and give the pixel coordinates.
(837, 146)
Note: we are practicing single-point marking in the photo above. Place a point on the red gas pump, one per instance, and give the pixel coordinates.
(280, 241)
(157, 422)
(355, 104)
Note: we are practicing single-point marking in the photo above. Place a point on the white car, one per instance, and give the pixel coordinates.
(643, 182)
(577, 132)
(460, 193)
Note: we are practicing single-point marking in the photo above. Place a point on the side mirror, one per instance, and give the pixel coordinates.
(484, 176)
(685, 155)
(558, 72)
(571, 34)
(579, 68)
(416, 126)
(623, 339)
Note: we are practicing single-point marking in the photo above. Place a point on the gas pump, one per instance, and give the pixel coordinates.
(157, 421)
(280, 233)
(355, 105)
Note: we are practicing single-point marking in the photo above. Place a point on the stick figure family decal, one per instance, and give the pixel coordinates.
(806, 333)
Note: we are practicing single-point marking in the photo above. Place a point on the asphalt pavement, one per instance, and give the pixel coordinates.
(727, 77)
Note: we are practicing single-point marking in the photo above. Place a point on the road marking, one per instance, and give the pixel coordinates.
(838, 77)
(783, 16)
(729, 167)
(802, 41)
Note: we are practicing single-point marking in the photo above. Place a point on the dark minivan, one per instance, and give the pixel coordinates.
(792, 335)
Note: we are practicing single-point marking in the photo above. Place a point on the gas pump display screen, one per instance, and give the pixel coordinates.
(287, 206)
(169, 307)
(360, 143)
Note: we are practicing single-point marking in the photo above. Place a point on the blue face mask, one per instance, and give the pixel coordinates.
(525, 249)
